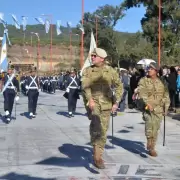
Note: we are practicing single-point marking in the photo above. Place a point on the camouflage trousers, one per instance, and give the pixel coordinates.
(99, 126)
(152, 124)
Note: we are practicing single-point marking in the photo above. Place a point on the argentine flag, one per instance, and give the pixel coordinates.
(4, 62)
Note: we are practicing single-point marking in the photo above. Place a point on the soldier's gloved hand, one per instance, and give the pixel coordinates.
(114, 108)
(165, 113)
(149, 107)
(91, 104)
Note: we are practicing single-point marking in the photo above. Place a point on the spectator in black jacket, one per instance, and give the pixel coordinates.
(172, 87)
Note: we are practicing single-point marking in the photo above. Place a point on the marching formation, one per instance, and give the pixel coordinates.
(102, 92)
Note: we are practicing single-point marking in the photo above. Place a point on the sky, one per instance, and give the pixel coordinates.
(67, 11)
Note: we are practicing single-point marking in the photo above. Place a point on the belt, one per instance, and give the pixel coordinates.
(11, 87)
(32, 88)
(71, 87)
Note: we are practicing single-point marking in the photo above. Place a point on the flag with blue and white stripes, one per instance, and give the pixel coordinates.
(4, 61)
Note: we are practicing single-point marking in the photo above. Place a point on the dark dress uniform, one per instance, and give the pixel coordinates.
(54, 83)
(33, 93)
(73, 84)
(9, 95)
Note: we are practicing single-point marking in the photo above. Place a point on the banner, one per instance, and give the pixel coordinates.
(3, 60)
(88, 61)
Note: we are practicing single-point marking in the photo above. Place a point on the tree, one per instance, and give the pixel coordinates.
(107, 17)
(170, 24)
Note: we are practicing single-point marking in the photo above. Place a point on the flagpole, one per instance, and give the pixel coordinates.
(159, 35)
(82, 37)
(96, 31)
(70, 39)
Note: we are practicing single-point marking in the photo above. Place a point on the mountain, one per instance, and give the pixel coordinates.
(17, 36)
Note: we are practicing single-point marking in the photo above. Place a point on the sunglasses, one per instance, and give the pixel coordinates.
(93, 55)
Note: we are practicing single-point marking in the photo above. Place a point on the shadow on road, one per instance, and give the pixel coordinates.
(77, 156)
(123, 131)
(15, 176)
(135, 147)
(175, 116)
(26, 114)
(65, 113)
(129, 127)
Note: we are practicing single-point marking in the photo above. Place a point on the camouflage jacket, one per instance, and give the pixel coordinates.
(97, 83)
(155, 93)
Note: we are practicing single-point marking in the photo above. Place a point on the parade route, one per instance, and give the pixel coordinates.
(53, 146)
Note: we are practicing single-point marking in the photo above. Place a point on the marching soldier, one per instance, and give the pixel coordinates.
(73, 84)
(97, 83)
(33, 93)
(54, 83)
(154, 94)
(10, 92)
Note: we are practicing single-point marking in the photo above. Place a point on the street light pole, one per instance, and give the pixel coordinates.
(159, 35)
(82, 38)
(96, 31)
(38, 51)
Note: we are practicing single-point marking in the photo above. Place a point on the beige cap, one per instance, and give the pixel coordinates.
(154, 66)
(100, 52)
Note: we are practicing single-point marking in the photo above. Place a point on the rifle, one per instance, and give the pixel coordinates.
(113, 114)
(164, 134)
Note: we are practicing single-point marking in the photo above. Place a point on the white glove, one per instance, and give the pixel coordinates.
(17, 98)
(39, 90)
(27, 87)
(67, 90)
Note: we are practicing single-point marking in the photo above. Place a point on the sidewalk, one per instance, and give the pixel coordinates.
(52, 146)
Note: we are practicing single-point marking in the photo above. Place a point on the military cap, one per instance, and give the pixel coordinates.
(72, 70)
(11, 67)
(33, 69)
(99, 52)
(154, 66)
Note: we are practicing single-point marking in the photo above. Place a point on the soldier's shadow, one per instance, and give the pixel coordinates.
(3, 119)
(77, 156)
(26, 114)
(65, 113)
(135, 147)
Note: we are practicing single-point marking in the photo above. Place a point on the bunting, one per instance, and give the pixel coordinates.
(16, 23)
(69, 27)
(58, 26)
(47, 25)
(40, 20)
(3, 60)
(2, 20)
(81, 27)
(24, 22)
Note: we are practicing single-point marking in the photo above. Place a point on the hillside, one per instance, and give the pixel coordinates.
(26, 51)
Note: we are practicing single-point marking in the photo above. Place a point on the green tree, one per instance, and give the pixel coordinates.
(107, 17)
(170, 25)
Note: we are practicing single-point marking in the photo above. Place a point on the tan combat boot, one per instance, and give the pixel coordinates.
(152, 151)
(98, 162)
(101, 158)
(149, 143)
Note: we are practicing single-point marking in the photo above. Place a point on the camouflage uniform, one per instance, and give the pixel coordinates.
(155, 93)
(96, 84)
